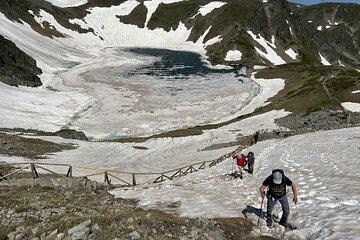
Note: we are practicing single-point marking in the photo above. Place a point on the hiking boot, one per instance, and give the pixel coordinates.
(284, 224)
(269, 222)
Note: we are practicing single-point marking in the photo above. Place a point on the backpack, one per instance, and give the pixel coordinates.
(250, 159)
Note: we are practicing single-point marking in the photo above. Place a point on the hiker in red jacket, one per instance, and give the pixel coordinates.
(240, 162)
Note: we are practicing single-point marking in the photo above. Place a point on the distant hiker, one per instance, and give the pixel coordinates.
(277, 183)
(240, 162)
(250, 158)
(255, 138)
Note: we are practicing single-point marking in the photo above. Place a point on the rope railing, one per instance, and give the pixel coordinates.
(124, 177)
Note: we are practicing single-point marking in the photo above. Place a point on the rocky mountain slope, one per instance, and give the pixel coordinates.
(17, 68)
(295, 33)
(77, 208)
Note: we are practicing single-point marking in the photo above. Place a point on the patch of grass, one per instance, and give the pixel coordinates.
(31, 221)
(66, 221)
(12, 145)
(22, 209)
(343, 83)
(317, 106)
(303, 92)
(5, 230)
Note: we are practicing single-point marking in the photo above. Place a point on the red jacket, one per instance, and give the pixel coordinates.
(240, 160)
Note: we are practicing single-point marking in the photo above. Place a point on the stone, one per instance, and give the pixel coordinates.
(95, 228)
(130, 220)
(60, 236)
(80, 235)
(80, 231)
(43, 236)
(194, 233)
(134, 235)
(11, 236)
(53, 234)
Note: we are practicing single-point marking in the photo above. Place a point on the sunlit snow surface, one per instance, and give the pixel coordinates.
(208, 8)
(269, 53)
(324, 61)
(67, 3)
(118, 97)
(75, 74)
(85, 89)
(353, 107)
(324, 165)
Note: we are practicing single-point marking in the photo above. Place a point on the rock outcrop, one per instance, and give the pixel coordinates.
(17, 68)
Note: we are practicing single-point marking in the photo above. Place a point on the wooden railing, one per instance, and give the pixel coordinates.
(125, 178)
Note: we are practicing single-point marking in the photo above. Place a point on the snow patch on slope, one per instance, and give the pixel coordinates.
(67, 3)
(233, 55)
(324, 61)
(291, 53)
(353, 107)
(208, 8)
(37, 108)
(269, 53)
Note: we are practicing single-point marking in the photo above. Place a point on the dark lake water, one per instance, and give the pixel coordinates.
(178, 64)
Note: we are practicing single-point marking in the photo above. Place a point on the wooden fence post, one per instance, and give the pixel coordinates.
(133, 179)
(106, 178)
(33, 171)
(69, 173)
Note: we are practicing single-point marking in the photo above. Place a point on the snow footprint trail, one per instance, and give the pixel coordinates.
(326, 184)
(324, 165)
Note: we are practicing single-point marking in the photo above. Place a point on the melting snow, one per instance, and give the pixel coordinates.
(269, 53)
(353, 107)
(208, 8)
(291, 53)
(324, 61)
(67, 3)
(233, 55)
(328, 188)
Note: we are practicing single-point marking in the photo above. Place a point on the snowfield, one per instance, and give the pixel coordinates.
(324, 165)
(86, 87)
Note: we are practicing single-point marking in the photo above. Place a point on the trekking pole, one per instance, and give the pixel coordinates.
(262, 201)
(232, 167)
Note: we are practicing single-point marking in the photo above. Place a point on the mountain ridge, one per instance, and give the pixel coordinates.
(277, 21)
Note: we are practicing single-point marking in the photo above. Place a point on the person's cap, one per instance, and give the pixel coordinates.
(277, 177)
